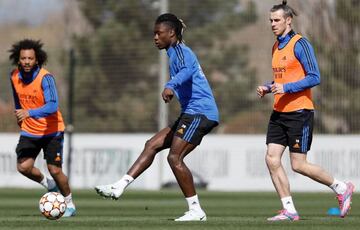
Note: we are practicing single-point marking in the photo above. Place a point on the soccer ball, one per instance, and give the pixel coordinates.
(52, 205)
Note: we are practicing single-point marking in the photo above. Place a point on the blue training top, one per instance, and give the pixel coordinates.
(189, 83)
(304, 52)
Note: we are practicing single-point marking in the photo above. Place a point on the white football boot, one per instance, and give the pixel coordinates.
(69, 212)
(116, 193)
(109, 191)
(193, 215)
(104, 190)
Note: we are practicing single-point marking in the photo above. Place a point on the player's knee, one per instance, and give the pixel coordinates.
(150, 145)
(297, 166)
(173, 160)
(272, 162)
(25, 170)
(54, 170)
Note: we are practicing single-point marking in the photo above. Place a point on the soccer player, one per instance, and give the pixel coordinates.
(295, 72)
(38, 115)
(199, 115)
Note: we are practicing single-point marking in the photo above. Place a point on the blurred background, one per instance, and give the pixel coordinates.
(116, 65)
(110, 75)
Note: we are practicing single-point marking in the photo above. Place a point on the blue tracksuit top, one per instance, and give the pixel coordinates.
(304, 52)
(189, 83)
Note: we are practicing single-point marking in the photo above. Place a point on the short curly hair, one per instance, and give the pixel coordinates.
(28, 44)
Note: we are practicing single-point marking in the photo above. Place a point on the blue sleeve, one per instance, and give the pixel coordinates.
(51, 99)
(184, 62)
(268, 85)
(305, 54)
(16, 98)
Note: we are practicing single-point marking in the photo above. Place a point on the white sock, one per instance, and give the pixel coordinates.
(288, 204)
(51, 183)
(48, 183)
(193, 203)
(44, 182)
(338, 187)
(69, 202)
(124, 182)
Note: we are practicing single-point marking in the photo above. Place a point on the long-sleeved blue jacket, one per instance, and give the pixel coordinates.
(189, 83)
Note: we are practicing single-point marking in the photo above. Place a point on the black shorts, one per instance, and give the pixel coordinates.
(293, 129)
(192, 128)
(29, 147)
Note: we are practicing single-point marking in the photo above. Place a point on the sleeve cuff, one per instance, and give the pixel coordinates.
(168, 86)
(286, 88)
(268, 88)
(31, 113)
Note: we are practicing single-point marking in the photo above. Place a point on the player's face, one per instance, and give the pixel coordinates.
(27, 59)
(279, 24)
(163, 35)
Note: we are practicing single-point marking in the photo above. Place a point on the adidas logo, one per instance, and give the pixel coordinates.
(181, 131)
(297, 146)
(58, 158)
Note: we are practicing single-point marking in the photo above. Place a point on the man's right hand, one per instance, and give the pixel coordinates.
(167, 95)
(21, 114)
(261, 91)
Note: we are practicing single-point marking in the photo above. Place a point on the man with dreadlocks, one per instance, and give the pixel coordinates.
(295, 72)
(199, 115)
(38, 115)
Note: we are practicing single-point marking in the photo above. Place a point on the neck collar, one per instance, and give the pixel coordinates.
(30, 76)
(172, 47)
(287, 37)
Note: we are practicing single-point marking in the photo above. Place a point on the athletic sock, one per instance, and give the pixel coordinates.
(193, 203)
(288, 204)
(69, 202)
(48, 183)
(338, 187)
(44, 182)
(51, 183)
(124, 182)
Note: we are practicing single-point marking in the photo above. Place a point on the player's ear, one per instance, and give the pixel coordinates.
(288, 20)
(172, 32)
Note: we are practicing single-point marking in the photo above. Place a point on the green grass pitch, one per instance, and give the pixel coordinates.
(156, 209)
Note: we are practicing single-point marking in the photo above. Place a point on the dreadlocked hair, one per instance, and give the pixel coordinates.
(28, 44)
(174, 22)
(288, 11)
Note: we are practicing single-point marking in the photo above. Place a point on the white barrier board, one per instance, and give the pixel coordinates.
(224, 162)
